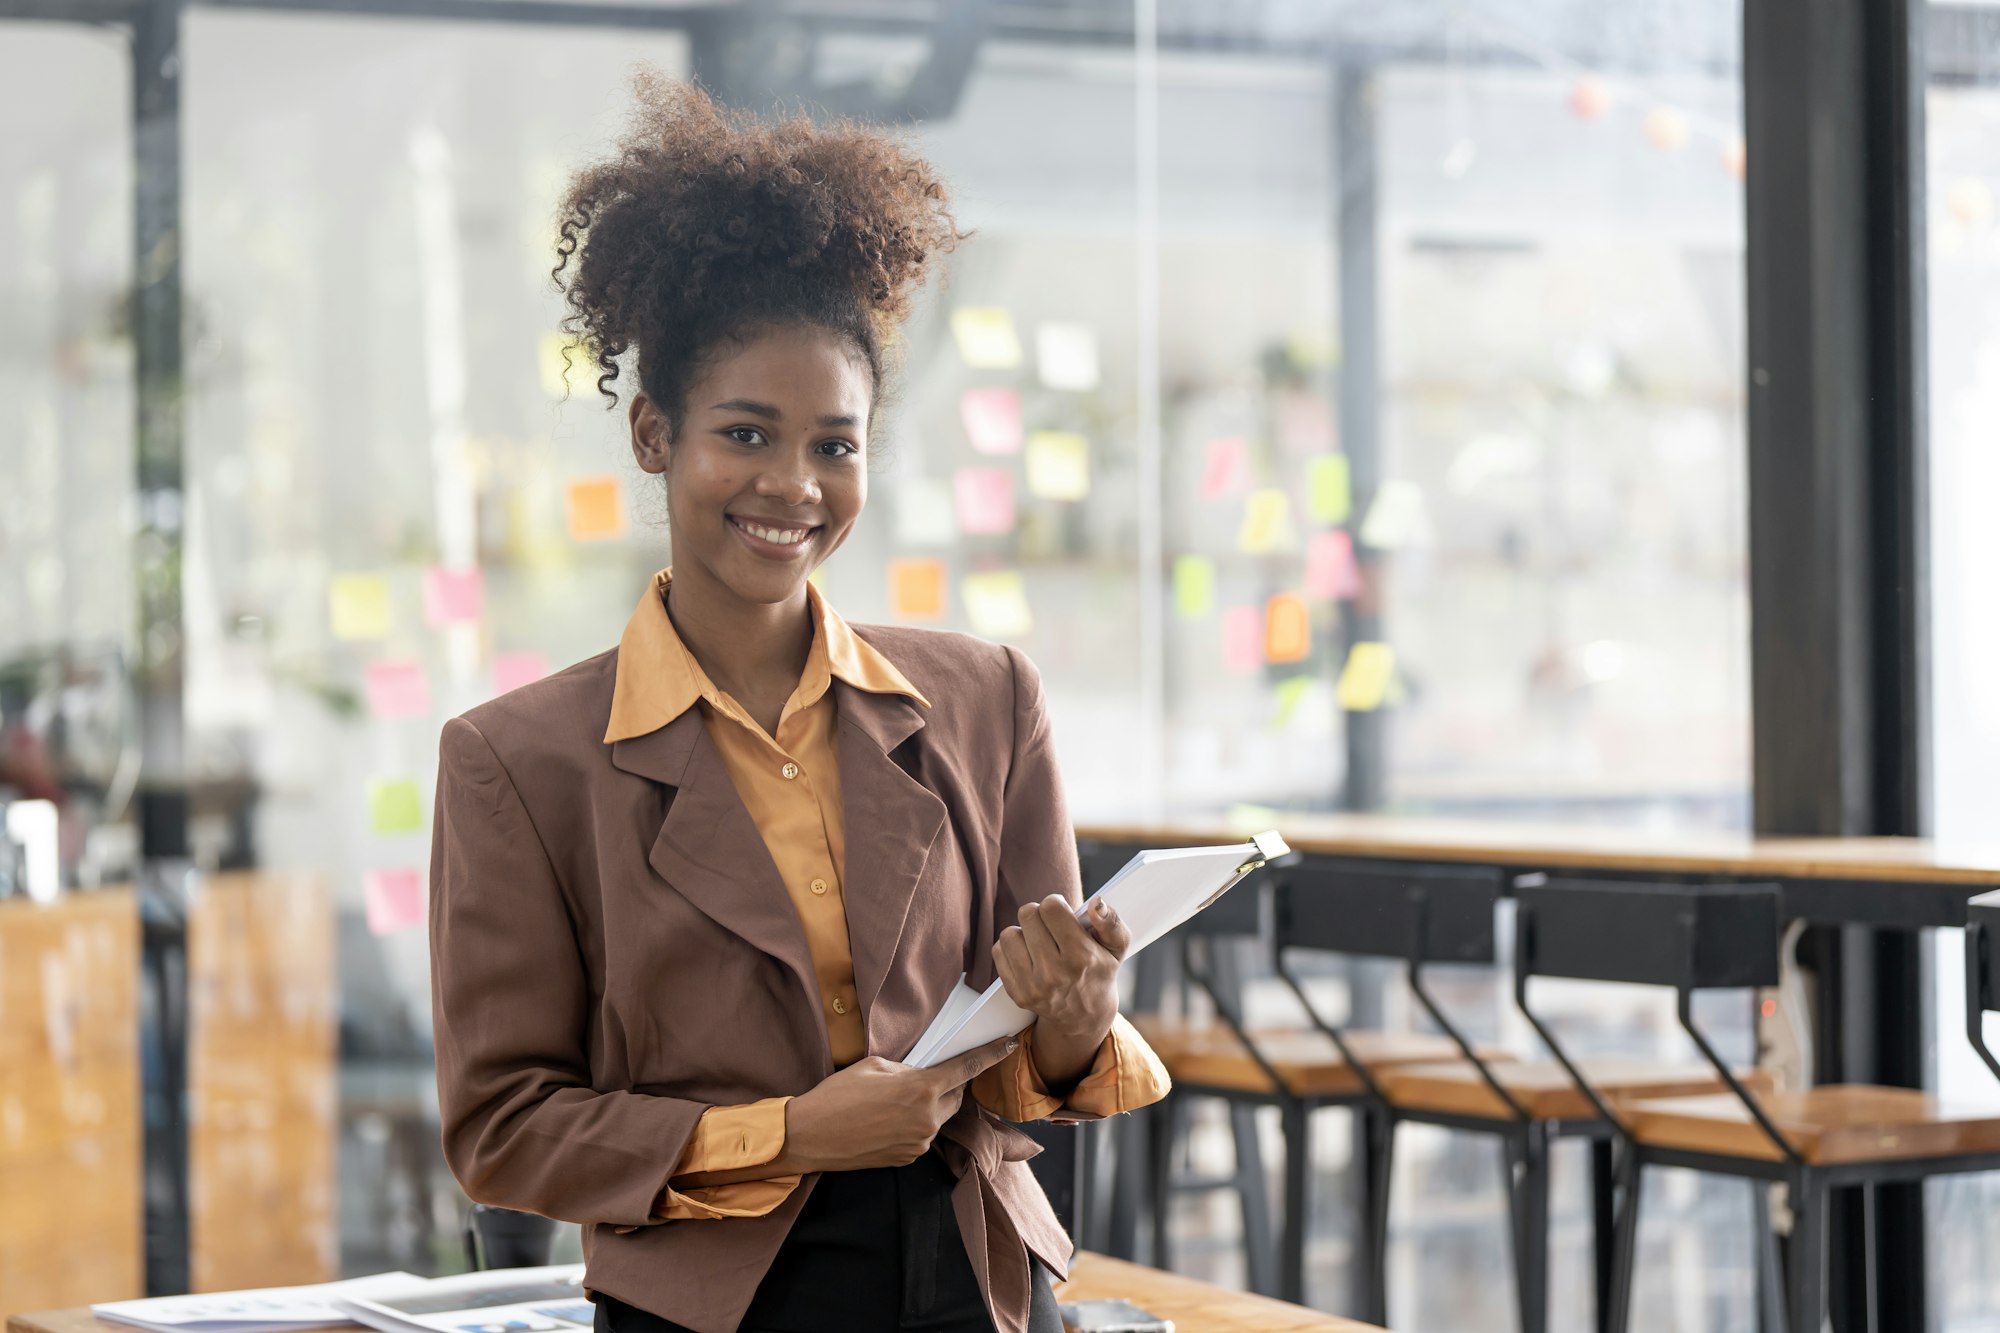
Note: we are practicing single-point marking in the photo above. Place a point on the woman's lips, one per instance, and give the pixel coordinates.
(769, 549)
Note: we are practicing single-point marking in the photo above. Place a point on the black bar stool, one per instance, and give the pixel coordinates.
(1694, 937)
(1982, 928)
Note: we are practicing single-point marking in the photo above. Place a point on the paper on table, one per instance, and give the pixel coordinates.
(263, 1310)
(498, 1300)
(1154, 892)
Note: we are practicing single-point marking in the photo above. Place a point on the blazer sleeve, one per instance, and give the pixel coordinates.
(1037, 858)
(522, 1126)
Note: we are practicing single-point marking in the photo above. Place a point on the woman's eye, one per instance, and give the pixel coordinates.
(844, 444)
(745, 434)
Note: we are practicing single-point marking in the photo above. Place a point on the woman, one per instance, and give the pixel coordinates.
(669, 1005)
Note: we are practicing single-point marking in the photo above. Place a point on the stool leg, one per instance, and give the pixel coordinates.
(1624, 1254)
(1770, 1273)
(1528, 1195)
(1807, 1305)
(1370, 1265)
(1163, 1127)
(1603, 1202)
(1298, 1176)
(1254, 1192)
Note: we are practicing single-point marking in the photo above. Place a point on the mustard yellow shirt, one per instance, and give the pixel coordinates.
(790, 784)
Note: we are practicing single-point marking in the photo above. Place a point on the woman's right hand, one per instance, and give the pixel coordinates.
(877, 1112)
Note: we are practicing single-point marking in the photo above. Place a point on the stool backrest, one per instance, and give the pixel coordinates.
(1381, 908)
(1982, 937)
(1688, 936)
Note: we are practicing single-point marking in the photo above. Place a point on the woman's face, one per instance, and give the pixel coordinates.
(769, 471)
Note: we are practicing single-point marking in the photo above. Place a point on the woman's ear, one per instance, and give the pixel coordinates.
(652, 437)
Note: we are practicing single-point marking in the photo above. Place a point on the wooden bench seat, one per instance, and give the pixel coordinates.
(1838, 1123)
(1305, 1058)
(1543, 1087)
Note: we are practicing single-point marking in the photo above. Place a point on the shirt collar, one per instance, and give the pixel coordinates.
(659, 679)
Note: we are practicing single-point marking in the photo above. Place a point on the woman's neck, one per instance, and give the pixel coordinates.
(751, 650)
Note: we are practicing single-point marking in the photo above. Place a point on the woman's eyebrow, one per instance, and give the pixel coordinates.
(770, 413)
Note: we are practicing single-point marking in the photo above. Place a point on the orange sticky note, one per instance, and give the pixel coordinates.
(594, 508)
(1226, 466)
(452, 595)
(1242, 638)
(984, 499)
(395, 900)
(992, 420)
(513, 670)
(1287, 628)
(397, 689)
(1330, 569)
(917, 588)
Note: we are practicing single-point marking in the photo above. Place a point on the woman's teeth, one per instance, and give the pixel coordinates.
(781, 536)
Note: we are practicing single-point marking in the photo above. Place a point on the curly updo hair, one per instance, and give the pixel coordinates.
(706, 225)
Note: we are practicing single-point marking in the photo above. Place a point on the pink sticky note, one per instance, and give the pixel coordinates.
(1227, 466)
(452, 595)
(992, 420)
(395, 900)
(1330, 568)
(398, 689)
(1242, 638)
(513, 670)
(984, 498)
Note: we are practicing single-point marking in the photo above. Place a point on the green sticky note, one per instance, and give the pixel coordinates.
(395, 805)
(1289, 692)
(1194, 586)
(1329, 491)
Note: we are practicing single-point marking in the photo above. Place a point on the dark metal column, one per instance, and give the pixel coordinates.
(1833, 121)
(1358, 181)
(157, 557)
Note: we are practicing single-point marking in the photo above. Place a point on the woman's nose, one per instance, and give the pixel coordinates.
(789, 478)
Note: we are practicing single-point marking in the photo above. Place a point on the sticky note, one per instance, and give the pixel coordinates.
(394, 900)
(1287, 628)
(1396, 518)
(1366, 677)
(1225, 466)
(397, 689)
(986, 338)
(916, 588)
(358, 606)
(996, 602)
(924, 513)
(395, 805)
(1194, 585)
(1329, 490)
(594, 509)
(1290, 693)
(513, 670)
(1331, 573)
(983, 498)
(1242, 638)
(1066, 356)
(1058, 465)
(581, 372)
(453, 595)
(1267, 522)
(992, 420)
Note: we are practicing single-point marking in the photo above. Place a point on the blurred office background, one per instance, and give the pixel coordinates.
(1344, 404)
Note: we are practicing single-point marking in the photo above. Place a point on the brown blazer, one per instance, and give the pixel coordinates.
(612, 952)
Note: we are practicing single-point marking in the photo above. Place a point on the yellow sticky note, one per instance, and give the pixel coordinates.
(1329, 493)
(395, 805)
(358, 606)
(594, 509)
(986, 338)
(996, 602)
(1194, 585)
(916, 588)
(1364, 681)
(579, 375)
(1287, 628)
(1267, 522)
(1058, 465)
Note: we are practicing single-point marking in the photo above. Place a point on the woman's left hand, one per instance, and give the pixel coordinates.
(1064, 974)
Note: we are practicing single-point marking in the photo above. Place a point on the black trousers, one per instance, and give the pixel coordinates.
(874, 1249)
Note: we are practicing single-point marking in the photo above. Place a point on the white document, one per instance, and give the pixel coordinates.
(500, 1300)
(1154, 892)
(264, 1310)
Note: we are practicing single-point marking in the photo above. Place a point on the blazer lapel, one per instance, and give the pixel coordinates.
(892, 823)
(710, 851)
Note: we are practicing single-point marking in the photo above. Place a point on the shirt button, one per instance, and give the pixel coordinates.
(818, 886)
(839, 1005)
(790, 770)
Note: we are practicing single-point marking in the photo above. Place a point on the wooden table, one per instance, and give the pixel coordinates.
(1195, 1307)
(1898, 882)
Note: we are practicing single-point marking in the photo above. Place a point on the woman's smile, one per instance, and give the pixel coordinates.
(771, 539)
